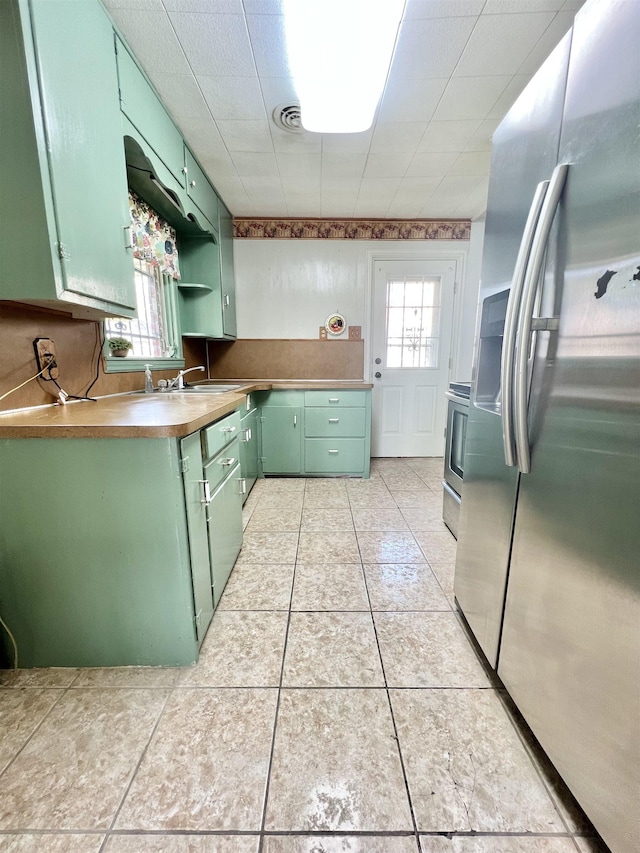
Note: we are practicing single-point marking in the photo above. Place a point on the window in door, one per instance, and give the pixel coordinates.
(413, 321)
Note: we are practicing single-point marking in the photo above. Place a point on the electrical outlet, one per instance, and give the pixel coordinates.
(45, 350)
(355, 333)
(323, 333)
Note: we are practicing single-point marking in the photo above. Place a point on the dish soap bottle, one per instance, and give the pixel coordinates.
(148, 380)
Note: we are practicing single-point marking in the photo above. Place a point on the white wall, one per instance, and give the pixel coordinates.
(287, 288)
(469, 303)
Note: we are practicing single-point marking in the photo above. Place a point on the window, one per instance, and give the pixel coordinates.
(154, 334)
(413, 322)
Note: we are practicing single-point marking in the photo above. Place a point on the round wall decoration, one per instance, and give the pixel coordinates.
(335, 324)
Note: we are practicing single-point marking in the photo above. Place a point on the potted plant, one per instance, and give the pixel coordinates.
(120, 347)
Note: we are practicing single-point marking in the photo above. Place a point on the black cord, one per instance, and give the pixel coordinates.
(100, 341)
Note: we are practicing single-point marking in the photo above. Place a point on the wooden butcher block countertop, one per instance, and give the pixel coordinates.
(138, 415)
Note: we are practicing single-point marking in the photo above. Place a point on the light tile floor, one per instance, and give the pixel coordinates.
(338, 705)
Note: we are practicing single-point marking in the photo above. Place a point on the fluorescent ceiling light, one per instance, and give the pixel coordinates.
(339, 53)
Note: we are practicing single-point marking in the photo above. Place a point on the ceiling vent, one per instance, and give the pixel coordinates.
(287, 117)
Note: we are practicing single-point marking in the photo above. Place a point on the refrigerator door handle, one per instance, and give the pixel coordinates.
(511, 322)
(525, 320)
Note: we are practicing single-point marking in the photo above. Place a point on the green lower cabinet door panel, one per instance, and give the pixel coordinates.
(334, 456)
(344, 423)
(96, 568)
(225, 530)
(62, 165)
(192, 477)
(249, 451)
(282, 429)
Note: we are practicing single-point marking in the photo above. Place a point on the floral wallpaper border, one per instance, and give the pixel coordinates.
(352, 229)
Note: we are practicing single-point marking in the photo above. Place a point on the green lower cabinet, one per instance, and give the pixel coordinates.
(96, 566)
(225, 530)
(282, 429)
(249, 450)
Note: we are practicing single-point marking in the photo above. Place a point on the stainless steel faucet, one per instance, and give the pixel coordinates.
(178, 382)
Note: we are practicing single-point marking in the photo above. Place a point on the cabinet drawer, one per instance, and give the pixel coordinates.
(334, 398)
(219, 434)
(334, 456)
(216, 469)
(327, 422)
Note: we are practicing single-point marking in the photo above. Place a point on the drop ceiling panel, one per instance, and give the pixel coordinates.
(343, 165)
(215, 44)
(253, 165)
(237, 98)
(267, 40)
(431, 164)
(221, 69)
(468, 98)
(431, 48)
(442, 8)
(387, 165)
(152, 39)
(246, 135)
(397, 138)
(410, 99)
(180, 93)
(499, 43)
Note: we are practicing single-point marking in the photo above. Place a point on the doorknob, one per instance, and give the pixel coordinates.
(377, 374)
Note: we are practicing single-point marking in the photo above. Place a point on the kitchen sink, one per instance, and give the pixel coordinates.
(194, 389)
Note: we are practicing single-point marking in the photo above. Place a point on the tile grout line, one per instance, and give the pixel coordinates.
(110, 829)
(63, 693)
(393, 720)
(277, 710)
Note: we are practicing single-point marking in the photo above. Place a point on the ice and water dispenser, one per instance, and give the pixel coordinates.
(494, 311)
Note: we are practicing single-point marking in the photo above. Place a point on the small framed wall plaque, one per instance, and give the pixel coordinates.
(335, 324)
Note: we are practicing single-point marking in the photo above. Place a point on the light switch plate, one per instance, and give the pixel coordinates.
(355, 333)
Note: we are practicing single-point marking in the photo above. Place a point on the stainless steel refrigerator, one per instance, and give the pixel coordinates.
(548, 563)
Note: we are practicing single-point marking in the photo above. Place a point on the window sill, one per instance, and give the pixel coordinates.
(130, 365)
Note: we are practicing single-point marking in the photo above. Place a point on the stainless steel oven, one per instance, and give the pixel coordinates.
(457, 414)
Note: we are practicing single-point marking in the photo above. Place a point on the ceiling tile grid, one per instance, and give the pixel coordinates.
(220, 67)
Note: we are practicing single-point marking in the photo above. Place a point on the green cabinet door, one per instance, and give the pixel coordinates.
(227, 273)
(225, 530)
(146, 112)
(192, 477)
(62, 158)
(282, 430)
(249, 451)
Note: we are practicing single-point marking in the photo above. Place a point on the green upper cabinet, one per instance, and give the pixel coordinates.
(201, 192)
(146, 113)
(227, 273)
(62, 168)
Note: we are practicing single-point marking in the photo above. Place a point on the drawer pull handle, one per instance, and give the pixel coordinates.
(334, 451)
(334, 399)
(334, 420)
(227, 462)
(207, 492)
(229, 429)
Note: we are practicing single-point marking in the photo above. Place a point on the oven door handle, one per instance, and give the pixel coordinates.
(511, 324)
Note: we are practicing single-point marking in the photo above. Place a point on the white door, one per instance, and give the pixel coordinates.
(411, 341)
